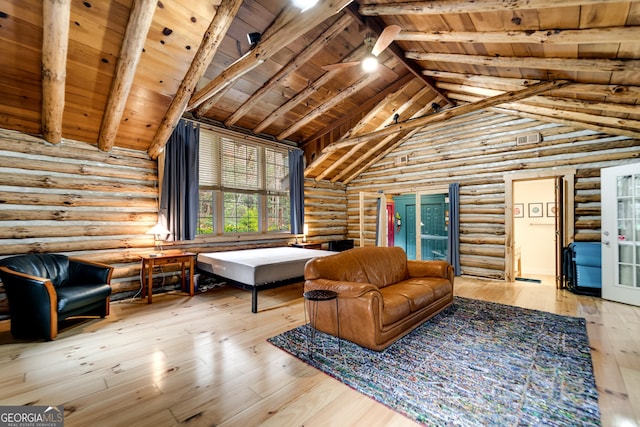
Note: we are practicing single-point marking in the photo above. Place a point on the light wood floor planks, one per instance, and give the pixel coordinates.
(204, 361)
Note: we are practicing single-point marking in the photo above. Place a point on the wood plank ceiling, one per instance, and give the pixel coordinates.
(122, 72)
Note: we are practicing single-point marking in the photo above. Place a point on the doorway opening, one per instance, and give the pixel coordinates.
(433, 230)
(534, 232)
(538, 222)
(415, 219)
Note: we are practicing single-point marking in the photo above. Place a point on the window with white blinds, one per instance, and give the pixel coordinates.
(243, 186)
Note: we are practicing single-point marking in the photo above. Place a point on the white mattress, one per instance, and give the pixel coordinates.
(257, 267)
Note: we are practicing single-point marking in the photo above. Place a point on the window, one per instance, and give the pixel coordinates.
(243, 186)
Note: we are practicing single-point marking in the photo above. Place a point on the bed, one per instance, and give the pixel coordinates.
(258, 269)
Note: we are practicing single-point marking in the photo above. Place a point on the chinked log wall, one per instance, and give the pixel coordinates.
(325, 210)
(477, 150)
(74, 199)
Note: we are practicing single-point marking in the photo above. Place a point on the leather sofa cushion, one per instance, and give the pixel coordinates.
(419, 295)
(396, 305)
(78, 296)
(440, 287)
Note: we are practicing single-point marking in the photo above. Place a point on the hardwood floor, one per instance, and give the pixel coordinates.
(204, 361)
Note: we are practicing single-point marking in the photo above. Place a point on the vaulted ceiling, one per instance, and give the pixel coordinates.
(121, 73)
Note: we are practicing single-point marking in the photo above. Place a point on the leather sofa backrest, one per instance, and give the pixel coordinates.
(54, 267)
(383, 266)
(370, 264)
(342, 266)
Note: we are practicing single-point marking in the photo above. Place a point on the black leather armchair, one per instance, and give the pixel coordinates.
(44, 289)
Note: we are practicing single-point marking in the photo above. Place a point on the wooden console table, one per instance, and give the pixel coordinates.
(185, 259)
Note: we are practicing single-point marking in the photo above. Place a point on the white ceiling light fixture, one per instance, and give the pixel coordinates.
(304, 4)
(374, 46)
(369, 64)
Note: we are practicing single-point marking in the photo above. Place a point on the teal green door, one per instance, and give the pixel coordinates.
(433, 228)
(433, 232)
(410, 231)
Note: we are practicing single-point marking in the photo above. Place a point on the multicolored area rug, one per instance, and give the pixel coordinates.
(475, 364)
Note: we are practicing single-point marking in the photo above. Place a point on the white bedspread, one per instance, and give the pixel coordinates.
(257, 267)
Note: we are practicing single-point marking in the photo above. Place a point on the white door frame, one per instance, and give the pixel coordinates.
(418, 192)
(611, 289)
(568, 175)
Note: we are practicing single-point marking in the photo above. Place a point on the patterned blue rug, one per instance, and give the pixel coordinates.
(475, 364)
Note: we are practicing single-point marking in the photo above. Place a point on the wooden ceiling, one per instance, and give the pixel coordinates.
(120, 73)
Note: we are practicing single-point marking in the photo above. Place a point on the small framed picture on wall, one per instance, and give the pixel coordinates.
(535, 210)
(551, 209)
(518, 210)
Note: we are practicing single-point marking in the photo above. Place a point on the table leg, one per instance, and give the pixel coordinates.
(183, 286)
(149, 281)
(191, 274)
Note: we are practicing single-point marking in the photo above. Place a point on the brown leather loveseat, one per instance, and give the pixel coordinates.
(382, 296)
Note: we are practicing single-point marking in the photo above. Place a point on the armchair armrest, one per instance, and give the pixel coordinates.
(433, 268)
(89, 272)
(344, 289)
(31, 296)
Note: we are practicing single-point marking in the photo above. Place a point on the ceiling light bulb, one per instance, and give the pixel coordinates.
(304, 4)
(370, 64)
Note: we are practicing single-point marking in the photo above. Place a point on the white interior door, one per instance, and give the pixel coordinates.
(620, 189)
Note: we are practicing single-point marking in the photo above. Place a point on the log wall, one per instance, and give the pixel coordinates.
(74, 199)
(325, 210)
(477, 151)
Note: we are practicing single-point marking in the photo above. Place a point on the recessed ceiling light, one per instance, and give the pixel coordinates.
(304, 4)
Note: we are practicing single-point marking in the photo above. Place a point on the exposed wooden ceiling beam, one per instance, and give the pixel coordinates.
(288, 26)
(55, 41)
(559, 120)
(366, 119)
(547, 37)
(564, 64)
(314, 87)
(348, 157)
(135, 36)
(211, 41)
(377, 25)
(510, 96)
(438, 7)
(336, 99)
(502, 83)
(551, 101)
(376, 150)
(614, 125)
(379, 150)
(369, 108)
(391, 96)
(298, 60)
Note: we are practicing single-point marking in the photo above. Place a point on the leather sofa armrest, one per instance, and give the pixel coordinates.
(431, 268)
(89, 272)
(344, 289)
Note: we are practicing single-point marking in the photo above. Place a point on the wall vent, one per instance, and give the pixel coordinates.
(402, 160)
(531, 138)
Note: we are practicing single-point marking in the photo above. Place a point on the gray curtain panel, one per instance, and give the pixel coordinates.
(179, 198)
(296, 191)
(453, 243)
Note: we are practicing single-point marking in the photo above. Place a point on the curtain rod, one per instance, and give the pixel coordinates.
(219, 127)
